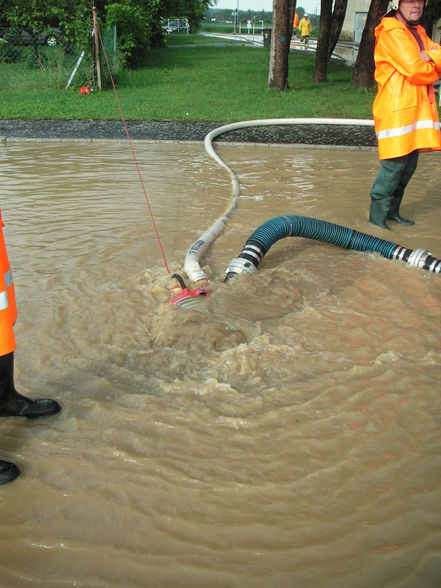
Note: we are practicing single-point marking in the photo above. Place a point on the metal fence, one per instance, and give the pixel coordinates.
(48, 60)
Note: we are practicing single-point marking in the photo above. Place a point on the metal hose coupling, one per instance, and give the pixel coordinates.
(423, 259)
(237, 266)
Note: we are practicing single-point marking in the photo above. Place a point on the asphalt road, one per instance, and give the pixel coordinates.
(84, 130)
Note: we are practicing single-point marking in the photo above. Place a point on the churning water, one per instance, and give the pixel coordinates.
(285, 432)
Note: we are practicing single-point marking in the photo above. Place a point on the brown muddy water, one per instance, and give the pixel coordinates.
(284, 432)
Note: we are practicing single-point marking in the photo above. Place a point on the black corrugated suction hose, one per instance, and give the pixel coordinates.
(280, 227)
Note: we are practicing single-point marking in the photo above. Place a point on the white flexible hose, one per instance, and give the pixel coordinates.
(197, 251)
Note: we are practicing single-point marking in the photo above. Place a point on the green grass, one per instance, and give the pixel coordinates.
(23, 72)
(175, 40)
(213, 83)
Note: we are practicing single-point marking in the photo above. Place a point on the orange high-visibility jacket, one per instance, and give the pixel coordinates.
(8, 309)
(404, 109)
(295, 20)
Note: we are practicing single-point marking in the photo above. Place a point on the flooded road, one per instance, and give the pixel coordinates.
(284, 432)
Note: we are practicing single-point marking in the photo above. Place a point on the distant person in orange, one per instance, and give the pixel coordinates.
(407, 63)
(295, 22)
(13, 404)
(305, 29)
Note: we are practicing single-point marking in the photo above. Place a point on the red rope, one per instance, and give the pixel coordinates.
(133, 155)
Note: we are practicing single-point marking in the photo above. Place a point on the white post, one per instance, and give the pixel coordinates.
(74, 71)
(237, 15)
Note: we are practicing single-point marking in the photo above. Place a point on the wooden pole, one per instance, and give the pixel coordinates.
(97, 47)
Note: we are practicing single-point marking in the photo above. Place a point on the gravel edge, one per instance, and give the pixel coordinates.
(351, 136)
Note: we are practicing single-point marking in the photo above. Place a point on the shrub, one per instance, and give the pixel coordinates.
(10, 51)
(134, 27)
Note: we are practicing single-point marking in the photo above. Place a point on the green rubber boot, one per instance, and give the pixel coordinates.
(378, 213)
(388, 189)
(394, 210)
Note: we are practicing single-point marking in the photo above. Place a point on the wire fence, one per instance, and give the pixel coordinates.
(48, 60)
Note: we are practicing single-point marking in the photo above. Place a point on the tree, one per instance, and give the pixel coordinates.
(37, 16)
(432, 13)
(135, 30)
(338, 17)
(193, 10)
(364, 69)
(321, 54)
(300, 11)
(283, 11)
(138, 21)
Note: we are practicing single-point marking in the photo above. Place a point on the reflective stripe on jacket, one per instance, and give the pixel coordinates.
(8, 309)
(405, 112)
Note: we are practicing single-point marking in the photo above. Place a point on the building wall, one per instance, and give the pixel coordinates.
(356, 13)
(436, 32)
(351, 18)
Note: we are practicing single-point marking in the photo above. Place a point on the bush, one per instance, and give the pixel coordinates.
(10, 52)
(134, 28)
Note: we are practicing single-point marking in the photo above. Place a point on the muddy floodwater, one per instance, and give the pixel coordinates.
(284, 432)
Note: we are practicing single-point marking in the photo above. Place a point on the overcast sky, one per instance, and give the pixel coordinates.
(311, 6)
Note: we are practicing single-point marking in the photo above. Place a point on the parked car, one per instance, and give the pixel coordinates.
(176, 26)
(23, 37)
(51, 37)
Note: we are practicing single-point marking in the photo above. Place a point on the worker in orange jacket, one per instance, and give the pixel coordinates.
(295, 21)
(11, 402)
(407, 63)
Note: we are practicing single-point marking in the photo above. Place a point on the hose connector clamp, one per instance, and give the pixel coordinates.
(238, 266)
(418, 257)
(197, 275)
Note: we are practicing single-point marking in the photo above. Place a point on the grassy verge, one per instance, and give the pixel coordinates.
(214, 83)
(179, 40)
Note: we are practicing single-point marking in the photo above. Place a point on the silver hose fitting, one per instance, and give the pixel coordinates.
(197, 275)
(239, 265)
(418, 257)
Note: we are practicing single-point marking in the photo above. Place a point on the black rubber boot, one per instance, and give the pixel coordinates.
(14, 404)
(8, 472)
(378, 213)
(394, 211)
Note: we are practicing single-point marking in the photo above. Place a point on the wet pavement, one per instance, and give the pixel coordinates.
(143, 130)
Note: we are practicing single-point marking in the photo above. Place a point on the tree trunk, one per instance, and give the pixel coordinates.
(292, 9)
(338, 17)
(321, 54)
(364, 69)
(280, 40)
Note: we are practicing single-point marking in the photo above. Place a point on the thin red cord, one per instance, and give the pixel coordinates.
(134, 156)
